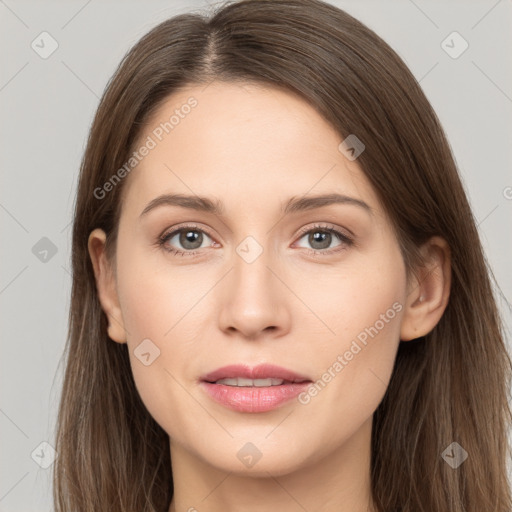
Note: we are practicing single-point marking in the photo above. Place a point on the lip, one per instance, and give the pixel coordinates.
(262, 371)
(253, 399)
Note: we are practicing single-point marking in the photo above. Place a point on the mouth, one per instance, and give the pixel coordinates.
(259, 376)
(258, 389)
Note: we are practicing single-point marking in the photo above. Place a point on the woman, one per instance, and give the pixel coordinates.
(280, 300)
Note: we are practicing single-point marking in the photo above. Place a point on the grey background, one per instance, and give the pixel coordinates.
(47, 106)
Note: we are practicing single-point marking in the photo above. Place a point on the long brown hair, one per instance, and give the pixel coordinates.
(450, 386)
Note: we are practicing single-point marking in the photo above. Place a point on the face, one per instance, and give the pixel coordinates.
(273, 277)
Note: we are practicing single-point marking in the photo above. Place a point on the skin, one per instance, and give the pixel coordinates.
(254, 147)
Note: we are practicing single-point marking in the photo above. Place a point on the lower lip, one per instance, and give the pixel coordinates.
(253, 399)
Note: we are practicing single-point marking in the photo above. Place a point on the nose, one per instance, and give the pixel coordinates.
(254, 300)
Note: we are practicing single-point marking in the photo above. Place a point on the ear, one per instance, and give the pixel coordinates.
(428, 291)
(106, 286)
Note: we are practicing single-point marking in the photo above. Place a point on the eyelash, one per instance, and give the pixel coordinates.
(343, 238)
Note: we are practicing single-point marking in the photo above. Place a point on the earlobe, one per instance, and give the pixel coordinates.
(429, 292)
(106, 285)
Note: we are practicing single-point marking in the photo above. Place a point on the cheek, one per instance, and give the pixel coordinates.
(170, 311)
(354, 364)
(365, 291)
(158, 300)
(159, 309)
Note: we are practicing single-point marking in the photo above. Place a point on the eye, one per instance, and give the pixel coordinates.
(321, 237)
(190, 238)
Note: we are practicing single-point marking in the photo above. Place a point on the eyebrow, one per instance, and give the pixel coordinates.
(215, 207)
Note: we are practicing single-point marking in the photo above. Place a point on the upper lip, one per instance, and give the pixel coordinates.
(262, 371)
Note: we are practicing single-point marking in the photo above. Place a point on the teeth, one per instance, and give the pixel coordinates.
(258, 383)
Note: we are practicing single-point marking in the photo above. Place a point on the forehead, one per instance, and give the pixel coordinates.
(247, 143)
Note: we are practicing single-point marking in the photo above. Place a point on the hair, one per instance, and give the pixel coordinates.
(448, 386)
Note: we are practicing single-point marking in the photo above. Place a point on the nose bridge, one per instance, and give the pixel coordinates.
(251, 274)
(252, 278)
(253, 298)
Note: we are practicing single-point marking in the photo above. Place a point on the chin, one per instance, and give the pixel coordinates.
(259, 459)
